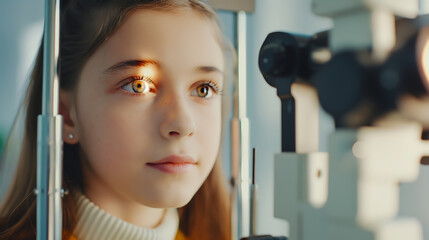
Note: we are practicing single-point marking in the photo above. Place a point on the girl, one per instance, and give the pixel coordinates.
(141, 84)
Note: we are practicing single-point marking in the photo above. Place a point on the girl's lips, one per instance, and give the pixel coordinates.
(173, 167)
(174, 164)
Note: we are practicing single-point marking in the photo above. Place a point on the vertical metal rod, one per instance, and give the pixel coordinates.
(242, 123)
(253, 198)
(50, 60)
(49, 133)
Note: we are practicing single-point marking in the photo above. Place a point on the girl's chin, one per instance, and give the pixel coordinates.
(170, 201)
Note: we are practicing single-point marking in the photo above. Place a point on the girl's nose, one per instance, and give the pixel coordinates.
(177, 121)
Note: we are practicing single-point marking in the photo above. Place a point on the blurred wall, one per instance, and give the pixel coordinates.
(424, 6)
(21, 24)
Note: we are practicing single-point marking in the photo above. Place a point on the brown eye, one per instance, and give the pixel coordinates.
(137, 86)
(202, 91)
(140, 86)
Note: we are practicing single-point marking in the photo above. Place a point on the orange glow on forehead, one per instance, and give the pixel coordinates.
(149, 71)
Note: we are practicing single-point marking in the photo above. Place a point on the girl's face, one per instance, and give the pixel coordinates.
(147, 109)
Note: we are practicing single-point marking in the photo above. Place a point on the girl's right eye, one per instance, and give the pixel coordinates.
(138, 85)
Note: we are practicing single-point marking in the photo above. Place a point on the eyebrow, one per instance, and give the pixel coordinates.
(208, 69)
(144, 62)
(129, 64)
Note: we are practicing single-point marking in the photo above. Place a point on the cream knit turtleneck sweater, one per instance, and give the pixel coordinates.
(94, 223)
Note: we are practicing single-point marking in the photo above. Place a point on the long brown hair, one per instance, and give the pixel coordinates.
(85, 25)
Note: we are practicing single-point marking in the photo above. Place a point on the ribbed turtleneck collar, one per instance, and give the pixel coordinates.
(94, 223)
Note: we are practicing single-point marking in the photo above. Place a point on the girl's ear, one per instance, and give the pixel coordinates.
(68, 111)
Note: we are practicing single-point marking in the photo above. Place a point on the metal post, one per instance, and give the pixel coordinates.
(241, 125)
(49, 134)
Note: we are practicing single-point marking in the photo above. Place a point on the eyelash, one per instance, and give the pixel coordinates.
(208, 83)
(213, 86)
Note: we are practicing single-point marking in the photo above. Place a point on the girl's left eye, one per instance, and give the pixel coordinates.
(205, 90)
(138, 86)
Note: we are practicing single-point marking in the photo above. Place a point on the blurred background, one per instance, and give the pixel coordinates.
(21, 24)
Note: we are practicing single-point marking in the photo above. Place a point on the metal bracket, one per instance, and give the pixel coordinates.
(62, 191)
(233, 5)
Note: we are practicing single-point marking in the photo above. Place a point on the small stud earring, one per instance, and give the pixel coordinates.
(71, 136)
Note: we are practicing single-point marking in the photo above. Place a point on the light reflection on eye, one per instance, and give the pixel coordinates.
(203, 91)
